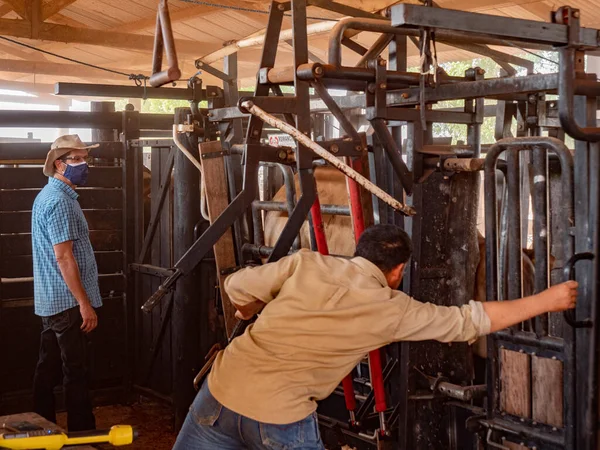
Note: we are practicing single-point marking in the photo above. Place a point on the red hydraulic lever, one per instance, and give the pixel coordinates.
(376, 371)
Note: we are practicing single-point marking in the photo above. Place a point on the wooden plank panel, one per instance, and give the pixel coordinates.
(23, 287)
(515, 383)
(94, 198)
(33, 177)
(97, 219)
(20, 244)
(22, 266)
(39, 150)
(217, 199)
(547, 391)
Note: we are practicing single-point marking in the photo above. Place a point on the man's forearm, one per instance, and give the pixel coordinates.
(247, 311)
(503, 314)
(70, 273)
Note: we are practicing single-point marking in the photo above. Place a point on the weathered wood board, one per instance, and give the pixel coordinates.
(217, 200)
(515, 383)
(547, 385)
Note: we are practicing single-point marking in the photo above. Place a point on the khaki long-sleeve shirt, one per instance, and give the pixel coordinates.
(322, 316)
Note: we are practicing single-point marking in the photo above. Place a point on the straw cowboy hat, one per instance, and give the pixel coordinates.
(61, 147)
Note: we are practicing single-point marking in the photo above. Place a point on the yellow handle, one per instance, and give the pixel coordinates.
(117, 436)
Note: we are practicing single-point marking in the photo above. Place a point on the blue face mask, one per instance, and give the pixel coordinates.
(77, 173)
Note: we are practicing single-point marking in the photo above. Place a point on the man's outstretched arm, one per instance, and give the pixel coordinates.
(422, 321)
(506, 313)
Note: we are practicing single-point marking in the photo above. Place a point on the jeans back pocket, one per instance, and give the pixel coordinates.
(303, 434)
(205, 408)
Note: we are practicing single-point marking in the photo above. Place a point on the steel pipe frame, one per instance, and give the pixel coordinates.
(491, 231)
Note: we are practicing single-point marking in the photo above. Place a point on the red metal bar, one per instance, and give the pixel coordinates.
(319, 227)
(348, 385)
(377, 380)
(356, 211)
(358, 224)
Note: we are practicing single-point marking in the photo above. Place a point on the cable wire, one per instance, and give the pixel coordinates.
(136, 77)
(530, 52)
(250, 10)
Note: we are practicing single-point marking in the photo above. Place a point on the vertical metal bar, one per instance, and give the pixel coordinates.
(491, 266)
(541, 230)
(584, 114)
(591, 418)
(513, 200)
(132, 227)
(186, 307)
(290, 195)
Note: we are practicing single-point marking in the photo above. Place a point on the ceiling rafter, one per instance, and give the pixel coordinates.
(67, 34)
(54, 7)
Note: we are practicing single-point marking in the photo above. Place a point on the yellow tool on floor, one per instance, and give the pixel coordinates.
(48, 439)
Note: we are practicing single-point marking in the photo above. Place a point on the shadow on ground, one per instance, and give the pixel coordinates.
(153, 421)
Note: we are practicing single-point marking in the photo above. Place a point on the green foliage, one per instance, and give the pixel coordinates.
(158, 106)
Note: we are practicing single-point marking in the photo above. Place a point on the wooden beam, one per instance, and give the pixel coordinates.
(31, 88)
(65, 70)
(34, 10)
(17, 6)
(54, 7)
(13, 50)
(5, 9)
(188, 14)
(63, 33)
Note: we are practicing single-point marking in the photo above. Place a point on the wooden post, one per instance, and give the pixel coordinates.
(216, 195)
(99, 135)
(186, 355)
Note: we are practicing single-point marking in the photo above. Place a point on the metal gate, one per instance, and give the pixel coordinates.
(531, 366)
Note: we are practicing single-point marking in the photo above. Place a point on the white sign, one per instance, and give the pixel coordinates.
(281, 140)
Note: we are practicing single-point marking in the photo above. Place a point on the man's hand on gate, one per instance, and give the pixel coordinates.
(90, 319)
(560, 297)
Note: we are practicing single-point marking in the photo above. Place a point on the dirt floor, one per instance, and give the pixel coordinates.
(152, 420)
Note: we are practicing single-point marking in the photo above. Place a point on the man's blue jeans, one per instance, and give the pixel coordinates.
(209, 425)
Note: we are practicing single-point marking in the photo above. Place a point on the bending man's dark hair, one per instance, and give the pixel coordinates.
(384, 245)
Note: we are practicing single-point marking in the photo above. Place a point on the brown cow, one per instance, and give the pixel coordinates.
(331, 188)
(480, 346)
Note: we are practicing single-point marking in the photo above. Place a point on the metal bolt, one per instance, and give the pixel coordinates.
(210, 114)
(255, 133)
(282, 154)
(480, 71)
(334, 148)
(382, 86)
(404, 95)
(213, 93)
(520, 126)
(280, 7)
(532, 99)
(318, 70)
(576, 14)
(358, 148)
(382, 62)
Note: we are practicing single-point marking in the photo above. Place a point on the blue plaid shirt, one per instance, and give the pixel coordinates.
(57, 217)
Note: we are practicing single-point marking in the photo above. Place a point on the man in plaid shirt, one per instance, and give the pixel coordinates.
(65, 278)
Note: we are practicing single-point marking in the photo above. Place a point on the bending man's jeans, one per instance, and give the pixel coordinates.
(209, 425)
(63, 356)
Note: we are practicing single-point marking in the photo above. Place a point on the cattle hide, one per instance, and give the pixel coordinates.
(331, 188)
